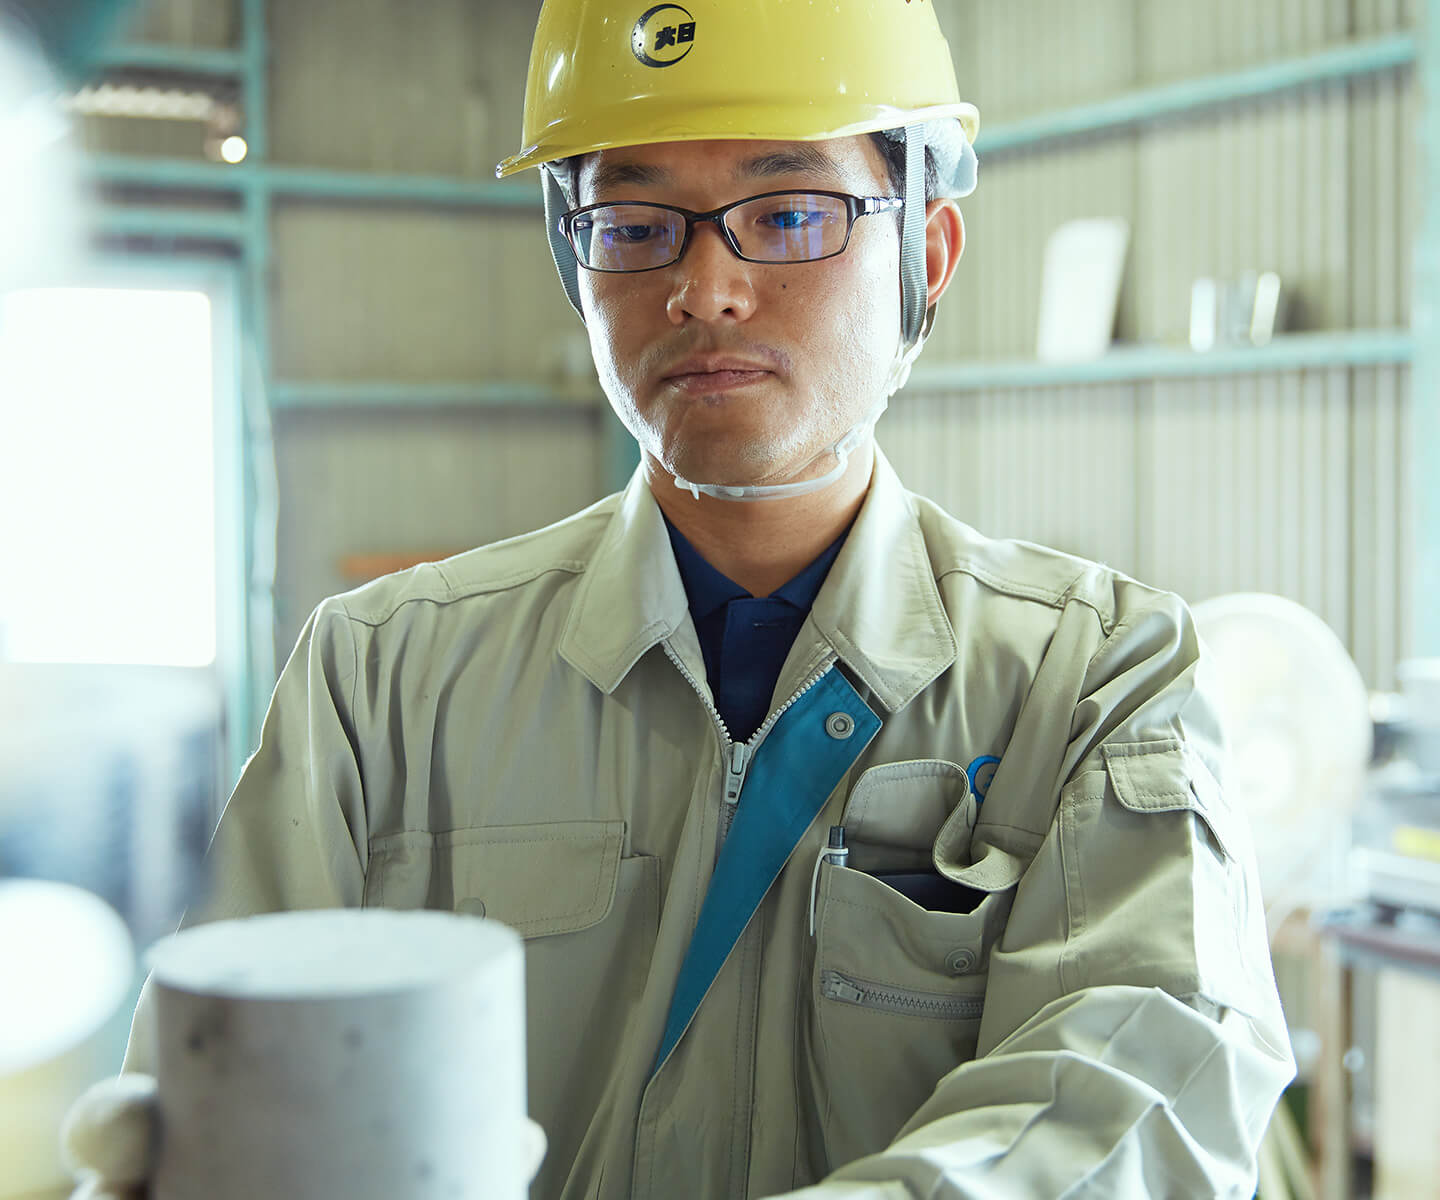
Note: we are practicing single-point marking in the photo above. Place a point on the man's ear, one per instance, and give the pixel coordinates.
(944, 243)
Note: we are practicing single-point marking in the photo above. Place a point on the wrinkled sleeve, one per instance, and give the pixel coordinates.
(292, 835)
(1133, 1043)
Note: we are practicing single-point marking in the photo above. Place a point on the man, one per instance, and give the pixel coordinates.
(857, 855)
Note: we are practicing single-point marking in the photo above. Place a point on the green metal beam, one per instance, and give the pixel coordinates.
(308, 182)
(410, 189)
(254, 55)
(1425, 380)
(1193, 95)
(1292, 352)
(173, 173)
(181, 60)
(373, 394)
(121, 221)
(262, 502)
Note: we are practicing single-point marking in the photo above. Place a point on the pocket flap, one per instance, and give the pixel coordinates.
(995, 869)
(906, 803)
(1164, 776)
(538, 879)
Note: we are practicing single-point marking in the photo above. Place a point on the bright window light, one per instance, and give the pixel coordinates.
(234, 149)
(107, 477)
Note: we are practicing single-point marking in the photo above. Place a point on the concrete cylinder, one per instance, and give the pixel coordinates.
(367, 1054)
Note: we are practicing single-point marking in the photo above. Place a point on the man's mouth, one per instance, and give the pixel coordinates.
(715, 372)
(715, 381)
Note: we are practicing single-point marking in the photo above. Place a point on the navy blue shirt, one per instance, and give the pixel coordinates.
(744, 639)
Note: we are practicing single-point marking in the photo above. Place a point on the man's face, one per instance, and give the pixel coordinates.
(734, 372)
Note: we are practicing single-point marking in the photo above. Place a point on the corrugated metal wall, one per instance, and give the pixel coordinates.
(1294, 482)
(433, 88)
(399, 293)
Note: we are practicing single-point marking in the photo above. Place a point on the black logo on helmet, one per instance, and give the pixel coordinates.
(663, 35)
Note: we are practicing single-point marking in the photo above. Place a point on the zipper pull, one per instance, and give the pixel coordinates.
(735, 775)
(836, 987)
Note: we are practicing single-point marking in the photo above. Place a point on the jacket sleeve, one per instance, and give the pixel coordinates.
(1133, 1043)
(292, 835)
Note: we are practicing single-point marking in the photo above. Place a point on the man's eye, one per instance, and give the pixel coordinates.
(628, 233)
(795, 218)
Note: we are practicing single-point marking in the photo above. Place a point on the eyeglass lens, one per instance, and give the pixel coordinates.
(795, 227)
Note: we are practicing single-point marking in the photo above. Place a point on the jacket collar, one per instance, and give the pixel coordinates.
(630, 597)
(879, 607)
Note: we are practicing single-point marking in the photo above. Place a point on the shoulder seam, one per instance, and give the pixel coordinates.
(502, 584)
(1024, 591)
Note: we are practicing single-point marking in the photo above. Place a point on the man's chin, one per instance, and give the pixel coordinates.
(729, 473)
(733, 462)
(724, 470)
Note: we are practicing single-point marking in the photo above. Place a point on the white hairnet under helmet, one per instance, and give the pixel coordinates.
(606, 73)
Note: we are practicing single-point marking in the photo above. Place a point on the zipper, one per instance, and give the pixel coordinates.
(700, 691)
(743, 753)
(734, 781)
(835, 986)
(739, 755)
(735, 754)
(759, 735)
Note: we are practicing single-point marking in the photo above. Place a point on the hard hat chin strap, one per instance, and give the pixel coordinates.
(556, 205)
(784, 491)
(914, 278)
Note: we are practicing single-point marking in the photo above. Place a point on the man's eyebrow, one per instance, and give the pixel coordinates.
(798, 159)
(617, 174)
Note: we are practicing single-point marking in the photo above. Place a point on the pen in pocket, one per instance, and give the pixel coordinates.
(835, 852)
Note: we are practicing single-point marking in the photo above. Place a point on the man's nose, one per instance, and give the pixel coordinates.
(710, 283)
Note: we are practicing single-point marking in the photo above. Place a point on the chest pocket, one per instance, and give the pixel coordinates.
(589, 919)
(538, 879)
(899, 987)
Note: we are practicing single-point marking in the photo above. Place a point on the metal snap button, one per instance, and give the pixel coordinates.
(472, 907)
(840, 725)
(960, 961)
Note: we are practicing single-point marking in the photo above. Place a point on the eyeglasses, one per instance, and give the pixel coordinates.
(776, 227)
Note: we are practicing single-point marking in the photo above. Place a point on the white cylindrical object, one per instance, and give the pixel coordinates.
(66, 989)
(368, 1054)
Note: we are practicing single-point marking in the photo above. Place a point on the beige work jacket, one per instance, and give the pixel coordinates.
(525, 731)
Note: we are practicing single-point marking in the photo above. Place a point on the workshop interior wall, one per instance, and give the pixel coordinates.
(1296, 482)
(408, 294)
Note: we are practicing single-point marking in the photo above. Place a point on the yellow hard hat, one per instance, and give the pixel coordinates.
(605, 74)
